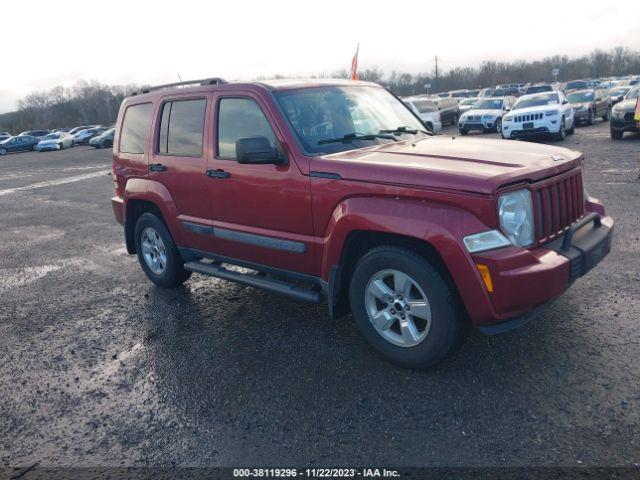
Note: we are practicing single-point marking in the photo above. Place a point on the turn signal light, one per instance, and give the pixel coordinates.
(486, 276)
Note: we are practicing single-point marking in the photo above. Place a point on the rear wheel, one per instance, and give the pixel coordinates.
(157, 254)
(454, 119)
(592, 117)
(3, 151)
(605, 117)
(464, 131)
(108, 144)
(404, 308)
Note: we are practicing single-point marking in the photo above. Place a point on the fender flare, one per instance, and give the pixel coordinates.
(440, 225)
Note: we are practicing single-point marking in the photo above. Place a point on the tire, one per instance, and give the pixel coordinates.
(109, 143)
(34, 147)
(463, 131)
(454, 119)
(432, 340)
(562, 133)
(572, 130)
(498, 126)
(605, 117)
(616, 134)
(3, 151)
(173, 273)
(592, 117)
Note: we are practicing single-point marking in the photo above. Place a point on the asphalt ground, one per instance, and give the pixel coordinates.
(98, 367)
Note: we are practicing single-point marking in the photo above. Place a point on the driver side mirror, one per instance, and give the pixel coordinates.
(257, 150)
(565, 101)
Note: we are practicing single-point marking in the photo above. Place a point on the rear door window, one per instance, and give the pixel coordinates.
(182, 128)
(135, 125)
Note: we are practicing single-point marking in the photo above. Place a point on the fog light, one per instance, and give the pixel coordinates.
(486, 276)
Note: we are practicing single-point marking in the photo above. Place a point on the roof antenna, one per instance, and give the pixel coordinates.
(179, 78)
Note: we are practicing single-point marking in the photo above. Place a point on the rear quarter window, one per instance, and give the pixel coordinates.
(135, 125)
(182, 128)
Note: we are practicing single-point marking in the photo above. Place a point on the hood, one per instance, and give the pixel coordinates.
(484, 111)
(49, 142)
(539, 108)
(451, 163)
(627, 105)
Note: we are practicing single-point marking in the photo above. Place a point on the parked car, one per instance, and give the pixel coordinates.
(540, 114)
(486, 115)
(83, 136)
(589, 104)
(38, 134)
(55, 141)
(75, 130)
(506, 92)
(616, 94)
(539, 88)
(473, 93)
(622, 115)
(5, 135)
(466, 104)
(448, 109)
(18, 143)
(412, 233)
(103, 140)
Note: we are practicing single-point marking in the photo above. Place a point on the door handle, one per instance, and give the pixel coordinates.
(157, 167)
(219, 173)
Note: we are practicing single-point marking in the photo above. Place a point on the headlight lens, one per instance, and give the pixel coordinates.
(515, 210)
(507, 118)
(550, 113)
(479, 242)
(617, 113)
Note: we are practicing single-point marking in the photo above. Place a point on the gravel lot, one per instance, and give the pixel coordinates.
(99, 367)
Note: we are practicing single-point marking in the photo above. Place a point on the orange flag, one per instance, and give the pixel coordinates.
(637, 115)
(354, 65)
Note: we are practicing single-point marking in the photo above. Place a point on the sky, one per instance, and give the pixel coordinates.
(152, 42)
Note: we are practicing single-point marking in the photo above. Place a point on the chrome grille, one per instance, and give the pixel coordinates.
(529, 117)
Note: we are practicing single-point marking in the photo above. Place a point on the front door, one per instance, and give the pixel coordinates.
(261, 213)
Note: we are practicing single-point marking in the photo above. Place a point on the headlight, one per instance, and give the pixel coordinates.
(515, 211)
(507, 118)
(550, 113)
(617, 113)
(479, 242)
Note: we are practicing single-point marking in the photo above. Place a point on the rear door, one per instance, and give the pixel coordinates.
(261, 213)
(178, 161)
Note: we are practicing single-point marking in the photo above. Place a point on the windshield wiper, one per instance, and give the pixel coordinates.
(349, 137)
(404, 129)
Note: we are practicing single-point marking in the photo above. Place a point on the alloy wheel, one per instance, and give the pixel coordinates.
(398, 308)
(154, 251)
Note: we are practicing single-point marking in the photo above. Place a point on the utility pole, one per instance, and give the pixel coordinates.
(437, 82)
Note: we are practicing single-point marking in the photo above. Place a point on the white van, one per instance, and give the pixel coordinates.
(427, 110)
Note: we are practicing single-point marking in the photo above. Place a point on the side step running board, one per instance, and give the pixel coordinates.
(275, 286)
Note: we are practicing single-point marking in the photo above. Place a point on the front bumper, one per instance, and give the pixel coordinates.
(624, 125)
(525, 280)
(544, 126)
(581, 116)
(477, 125)
(42, 148)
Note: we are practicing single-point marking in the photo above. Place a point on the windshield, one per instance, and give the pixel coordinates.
(632, 94)
(322, 113)
(493, 104)
(539, 88)
(579, 97)
(619, 91)
(52, 136)
(575, 85)
(537, 100)
(425, 106)
(468, 101)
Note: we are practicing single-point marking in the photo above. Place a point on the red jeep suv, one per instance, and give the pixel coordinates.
(334, 190)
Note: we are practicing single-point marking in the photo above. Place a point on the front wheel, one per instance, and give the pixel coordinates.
(463, 131)
(616, 134)
(592, 117)
(454, 119)
(562, 133)
(157, 254)
(498, 127)
(3, 151)
(404, 308)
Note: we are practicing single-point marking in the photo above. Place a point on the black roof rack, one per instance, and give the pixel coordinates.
(202, 82)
